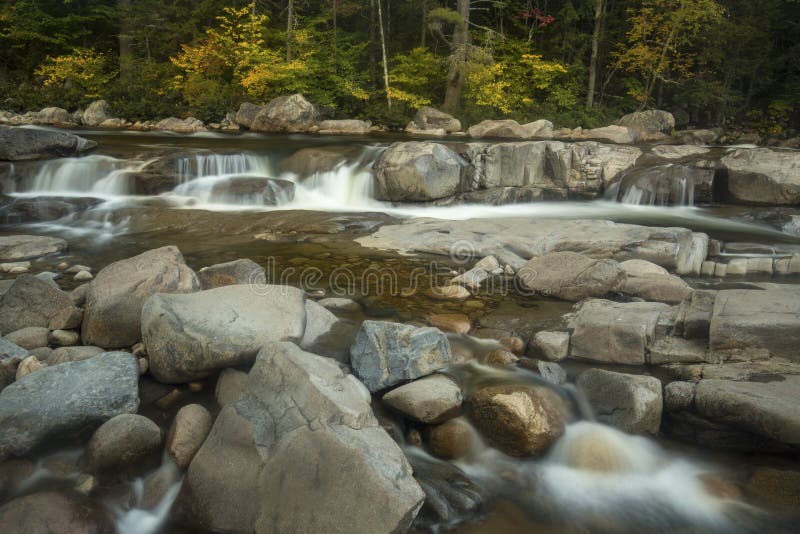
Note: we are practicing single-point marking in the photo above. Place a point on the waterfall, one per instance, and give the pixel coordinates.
(663, 185)
(209, 164)
(88, 176)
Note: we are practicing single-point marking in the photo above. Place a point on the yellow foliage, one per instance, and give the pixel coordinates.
(84, 70)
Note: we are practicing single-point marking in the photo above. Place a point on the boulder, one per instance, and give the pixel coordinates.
(97, 112)
(242, 271)
(28, 143)
(50, 511)
(55, 116)
(506, 128)
(653, 283)
(758, 416)
(31, 337)
(613, 332)
(67, 318)
(299, 427)
(552, 346)
(763, 176)
(114, 301)
(385, 354)
(247, 114)
(174, 124)
(632, 403)
(750, 319)
(189, 430)
(539, 129)
(432, 399)
(125, 445)
(518, 420)
(72, 354)
(339, 304)
(678, 151)
(615, 134)
(230, 386)
(65, 400)
(418, 171)
(428, 118)
(24, 247)
(344, 126)
(63, 338)
(10, 357)
(570, 276)
(29, 365)
(452, 439)
(650, 121)
(190, 336)
(286, 114)
(309, 161)
(696, 137)
(31, 302)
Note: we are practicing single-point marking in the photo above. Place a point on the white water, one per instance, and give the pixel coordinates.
(94, 175)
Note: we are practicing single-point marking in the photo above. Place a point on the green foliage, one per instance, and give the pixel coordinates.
(417, 77)
(77, 78)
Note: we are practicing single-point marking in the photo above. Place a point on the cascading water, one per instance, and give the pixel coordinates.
(88, 176)
(663, 185)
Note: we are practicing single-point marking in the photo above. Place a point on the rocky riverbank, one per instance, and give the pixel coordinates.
(311, 391)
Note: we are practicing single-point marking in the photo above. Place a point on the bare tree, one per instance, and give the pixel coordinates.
(598, 18)
(458, 58)
(383, 52)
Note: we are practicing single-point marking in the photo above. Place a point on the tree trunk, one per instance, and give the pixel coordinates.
(458, 60)
(651, 83)
(289, 28)
(598, 17)
(383, 53)
(335, 50)
(425, 10)
(125, 39)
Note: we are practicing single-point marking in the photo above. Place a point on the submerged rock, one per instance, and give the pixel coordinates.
(242, 271)
(385, 354)
(631, 403)
(24, 247)
(114, 300)
(300, 426)
(65, 400)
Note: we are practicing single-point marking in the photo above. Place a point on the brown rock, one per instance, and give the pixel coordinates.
(29, 365)
(188, 432)
(501, 358)
(451, 440)
(457, 323)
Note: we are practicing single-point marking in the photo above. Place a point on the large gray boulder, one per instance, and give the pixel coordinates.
(301, 427)
(66, 400)
(570, 276)
(28, 143)
(650, 121)
(763, 176)
(30, 301)
(247, 114)
(748, 319)
(613, 332)
(428, 118)
(385, 354)
(286, 114)
(25, 247)
(114, 301)
(418, 171)
(515, 240)
(632, 403)
(97, 112)
(190, 336)
(752, 416)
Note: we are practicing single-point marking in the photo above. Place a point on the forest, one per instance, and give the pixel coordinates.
(725, 63)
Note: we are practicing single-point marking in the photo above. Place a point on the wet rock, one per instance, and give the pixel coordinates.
(22, 247)
(230, 385)
(344, 126)
(337, 304)
(247, 114)
(188, 432)
(552, 372)
(174, 124)
(552, 346)
(242, 271)
(570, 276)
(114, 300)
(650, 121)
(500, 358)
(63, 338)
(64, 400)
(385, 354)
(96, 112)
(417, 171)
(456, 323)
(125, 445)
(299, 424)
(313, 160)
(653, 283)
(72, 354)
(431, 400)
(48, 512)
(452, 439)
(29, 338)
(246, 189)
(515, 240)
(518, 420)
(27, 143)
(513, 343)
(749, 416)
(17, 267)
(768, 319)
(612, 332)
(286, 114)
(590, 446)
(774, 488)
(428, 118)
(632, 403)
(452, 292)
(763, 176)
(190, 336)
(29, 365)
